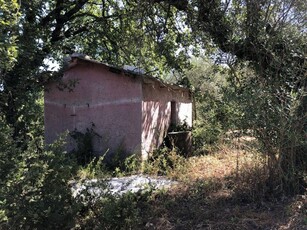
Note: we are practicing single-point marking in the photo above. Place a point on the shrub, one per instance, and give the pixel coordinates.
(84, 151)
(37, 194)
(8, 154)
(276, 113)
(94, 169)
(165, 162)
(215, 112)
(122, 163)
(113, 212)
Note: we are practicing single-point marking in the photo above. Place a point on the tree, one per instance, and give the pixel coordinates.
(268, 37)
(117, 32)
(8, 21)
(215, 111)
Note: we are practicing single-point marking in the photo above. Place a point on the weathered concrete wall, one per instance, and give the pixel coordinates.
(111, 101)
(155, 123)
(157, 114)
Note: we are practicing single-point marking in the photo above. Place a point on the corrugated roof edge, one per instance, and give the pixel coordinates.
(127, 72)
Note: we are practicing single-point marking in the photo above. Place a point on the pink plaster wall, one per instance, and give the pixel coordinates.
(131, 112)
(156, 113)
(155, 123)
(111, 101)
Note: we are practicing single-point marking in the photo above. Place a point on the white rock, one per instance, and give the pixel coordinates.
(135, 183)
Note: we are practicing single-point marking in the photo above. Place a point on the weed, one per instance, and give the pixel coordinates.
(221, 190)
(122, 166)
(165, 162)
(121, 163)
(96, 168)
(84, 152)
(114, 212)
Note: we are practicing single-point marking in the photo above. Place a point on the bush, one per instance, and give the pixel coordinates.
(204, 135)
(84, 151)
(8, 154)
(276, 113)
(215, 111)
(122, 163)
(94, 169)
(37, 194)
(165, 162)
(113, 212)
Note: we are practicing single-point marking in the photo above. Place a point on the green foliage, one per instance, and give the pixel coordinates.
(36, 192)
(205, 134)
(121, 164)
(132, 164)
(84, 151)
(100, 168)
(267, 37)
(165, 162)
(113, 212)
(96, 168)
(9, 15)
(276, 115)
(34, 33)
(215, 110)
(118, 163)
(8, 154)
(179, 127)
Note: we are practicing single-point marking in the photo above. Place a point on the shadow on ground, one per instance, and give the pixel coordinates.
(209, 205)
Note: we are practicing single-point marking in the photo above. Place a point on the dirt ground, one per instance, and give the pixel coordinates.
(221, 191)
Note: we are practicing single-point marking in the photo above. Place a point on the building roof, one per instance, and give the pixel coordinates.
(131, 71)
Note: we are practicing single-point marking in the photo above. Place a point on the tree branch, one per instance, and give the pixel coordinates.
(178, 4)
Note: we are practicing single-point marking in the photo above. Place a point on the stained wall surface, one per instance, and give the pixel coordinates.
(110, 101)
(162, 106)
(129, 113)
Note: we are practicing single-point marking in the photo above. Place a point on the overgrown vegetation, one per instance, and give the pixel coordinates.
(114, 212)
(275, 115)
(34, 186)
(251, 80)
(84, 151)
(216, 111)
(165, 162)
(231, 182)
